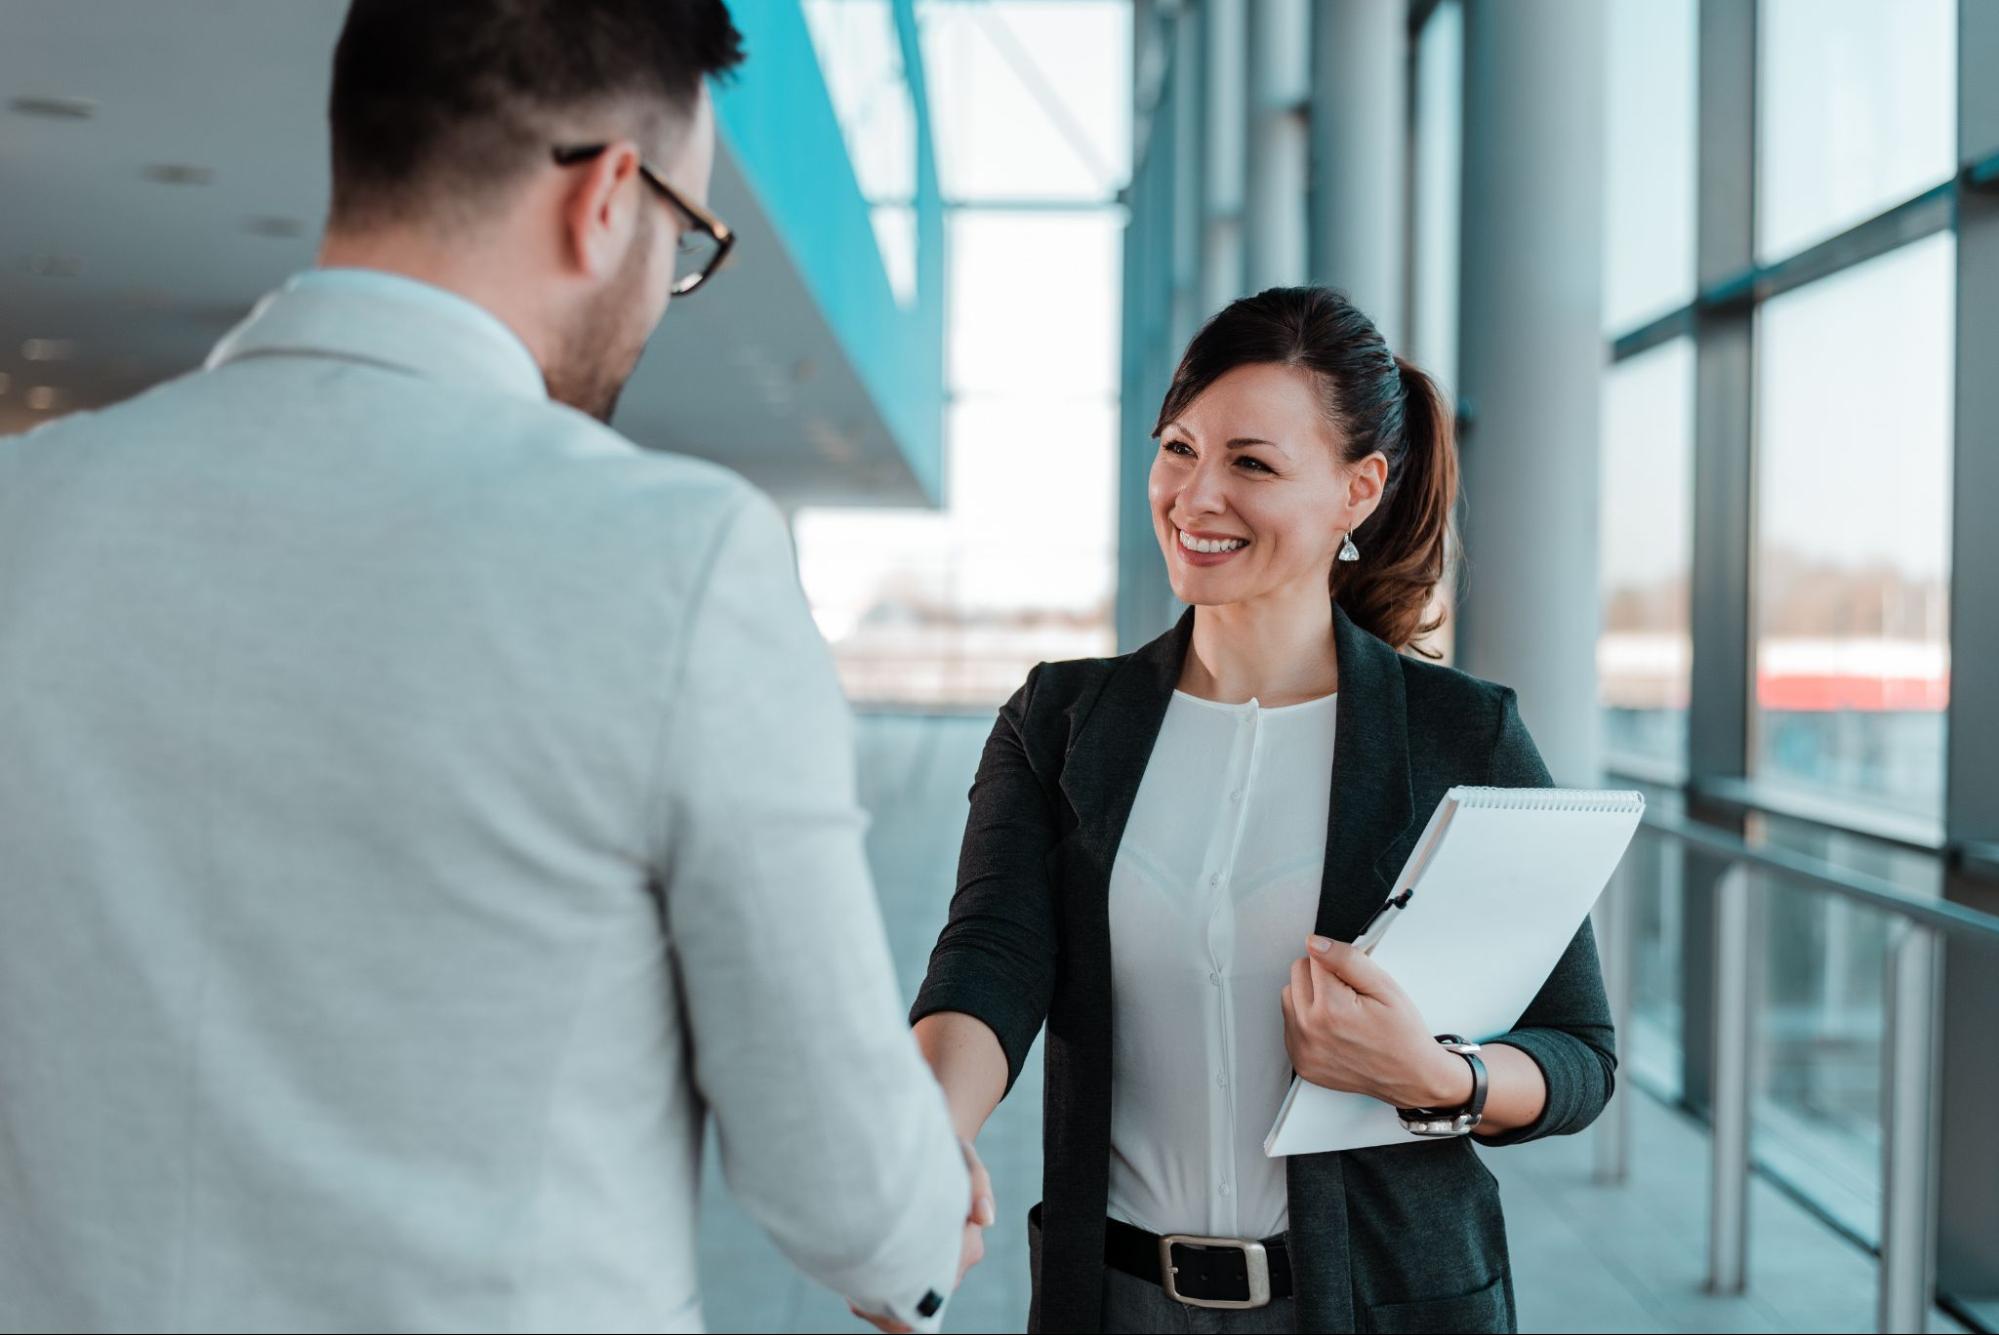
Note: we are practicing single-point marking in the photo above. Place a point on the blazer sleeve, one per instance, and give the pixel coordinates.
(1566, 1029)
(834, 1135)
(995, 959)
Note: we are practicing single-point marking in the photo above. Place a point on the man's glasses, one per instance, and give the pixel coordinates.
(704, 246)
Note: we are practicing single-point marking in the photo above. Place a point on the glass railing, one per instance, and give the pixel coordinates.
(1819, 997)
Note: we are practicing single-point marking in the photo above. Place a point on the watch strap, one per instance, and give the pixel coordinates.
(1453, 1120)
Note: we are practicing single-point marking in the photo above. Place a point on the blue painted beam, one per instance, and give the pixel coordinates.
(777, 119)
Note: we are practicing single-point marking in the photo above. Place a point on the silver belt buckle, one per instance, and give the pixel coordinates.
(1253, 1253)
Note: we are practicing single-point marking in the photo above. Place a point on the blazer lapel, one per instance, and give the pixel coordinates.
(1108, 752)
(1370, 820)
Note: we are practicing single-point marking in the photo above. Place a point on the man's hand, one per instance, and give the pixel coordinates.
(971, 1249)
(1348, 1026)
(977, 1219)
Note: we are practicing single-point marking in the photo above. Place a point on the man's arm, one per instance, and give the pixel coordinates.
(833, 1133)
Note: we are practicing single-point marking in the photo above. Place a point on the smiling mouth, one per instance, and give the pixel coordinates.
(1209, 546)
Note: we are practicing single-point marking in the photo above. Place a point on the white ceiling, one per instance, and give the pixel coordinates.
(142, 275)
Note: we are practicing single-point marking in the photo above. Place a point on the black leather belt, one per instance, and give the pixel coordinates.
(1199, 1271)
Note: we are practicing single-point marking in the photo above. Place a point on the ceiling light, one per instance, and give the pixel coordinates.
(42, 398)
(179, 173)
(49, 349)
(56, 108)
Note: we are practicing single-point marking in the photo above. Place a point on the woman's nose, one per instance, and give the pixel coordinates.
(1203, 493)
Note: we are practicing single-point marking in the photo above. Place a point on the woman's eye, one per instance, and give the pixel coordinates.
(1255, 464)
(1175, 447)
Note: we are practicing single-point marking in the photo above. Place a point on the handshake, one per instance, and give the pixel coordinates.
(971, 1249)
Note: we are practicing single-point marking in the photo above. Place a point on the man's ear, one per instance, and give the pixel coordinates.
(597, 211)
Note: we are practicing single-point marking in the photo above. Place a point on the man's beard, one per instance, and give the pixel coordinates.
(601, 348)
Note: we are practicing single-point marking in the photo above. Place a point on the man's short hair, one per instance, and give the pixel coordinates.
(440, 106)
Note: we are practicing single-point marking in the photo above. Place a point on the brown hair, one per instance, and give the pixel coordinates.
(1374, 401)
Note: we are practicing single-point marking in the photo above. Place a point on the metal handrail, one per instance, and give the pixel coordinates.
(1940, 914)
(1910, 1061)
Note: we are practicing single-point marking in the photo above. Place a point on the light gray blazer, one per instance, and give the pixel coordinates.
(416, 804)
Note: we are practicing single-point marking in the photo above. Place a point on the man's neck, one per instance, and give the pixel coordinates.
(464, 273)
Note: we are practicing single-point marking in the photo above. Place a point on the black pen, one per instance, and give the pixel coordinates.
(1377, 926)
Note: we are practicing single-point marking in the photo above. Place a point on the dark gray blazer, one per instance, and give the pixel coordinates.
(1392, 1238)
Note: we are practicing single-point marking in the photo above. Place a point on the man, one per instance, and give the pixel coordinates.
(417, 804)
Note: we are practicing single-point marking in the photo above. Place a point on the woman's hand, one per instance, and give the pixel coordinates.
(1348, 1026)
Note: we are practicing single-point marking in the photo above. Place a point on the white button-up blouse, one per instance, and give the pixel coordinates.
(1214, 888)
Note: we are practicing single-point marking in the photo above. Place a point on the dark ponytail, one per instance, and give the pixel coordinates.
(1375, 401)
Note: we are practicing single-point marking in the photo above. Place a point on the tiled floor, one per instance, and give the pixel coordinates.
(1586, 1258)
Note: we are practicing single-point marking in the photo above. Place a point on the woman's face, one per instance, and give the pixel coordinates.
(1252, 469)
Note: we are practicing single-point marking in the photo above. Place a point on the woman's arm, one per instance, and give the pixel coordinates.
(1515, 1090)
(1565, 1034)
(994, 962)
(1349, 1026)
(966, 1057)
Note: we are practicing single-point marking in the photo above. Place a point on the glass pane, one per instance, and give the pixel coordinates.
(1650, 882)
(1817, 1109)
(1030, 100)
(1817, 1114)
(1649, 227)
(861, 61)
(895, 235)
(1438, 149)
(1853, 523)
(1027, 305)
(1645, 653)
(1857, 110)
(953, 608)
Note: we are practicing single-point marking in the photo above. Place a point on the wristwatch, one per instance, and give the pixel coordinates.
(1456, 1121)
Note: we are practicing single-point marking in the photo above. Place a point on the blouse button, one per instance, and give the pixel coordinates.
(1215, 978)
(1216, 879)
(1222, 1079)
(1236, 796)
(1225, 1188)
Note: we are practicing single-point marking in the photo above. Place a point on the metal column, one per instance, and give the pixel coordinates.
(1909, 1070)
(1279, 143)
(1360, 156)
(1734, 1034)
(1533, 355)
(1968, 1247)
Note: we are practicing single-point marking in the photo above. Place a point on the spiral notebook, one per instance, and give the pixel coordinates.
(1500, 880)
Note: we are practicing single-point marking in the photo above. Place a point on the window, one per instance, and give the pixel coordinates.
(1645, 651)
(1649, 170)
(1852, 544)
(951, 609)
(1857, 110)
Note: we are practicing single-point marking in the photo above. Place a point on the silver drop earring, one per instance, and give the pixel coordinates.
(1349, 552)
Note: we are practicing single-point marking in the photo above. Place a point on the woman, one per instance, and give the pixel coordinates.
(1167, 852)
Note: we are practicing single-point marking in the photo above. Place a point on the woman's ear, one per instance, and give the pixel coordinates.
(1366, 481)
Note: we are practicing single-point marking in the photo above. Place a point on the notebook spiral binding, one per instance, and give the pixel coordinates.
(1551, 799)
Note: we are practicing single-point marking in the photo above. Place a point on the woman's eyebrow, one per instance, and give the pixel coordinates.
(1241, 441)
